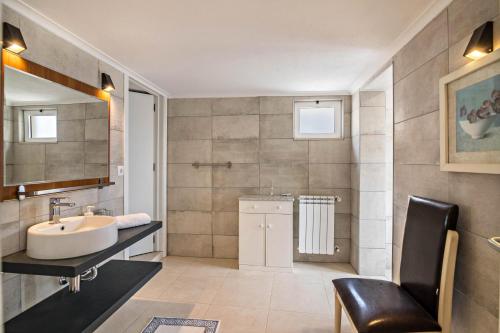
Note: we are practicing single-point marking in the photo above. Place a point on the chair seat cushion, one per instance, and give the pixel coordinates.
(377, 306)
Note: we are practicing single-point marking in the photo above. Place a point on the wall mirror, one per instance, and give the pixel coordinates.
(55, 130)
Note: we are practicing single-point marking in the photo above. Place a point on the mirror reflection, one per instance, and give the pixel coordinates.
(51, 132)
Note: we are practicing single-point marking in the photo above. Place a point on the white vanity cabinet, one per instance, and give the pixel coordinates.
(266, 233)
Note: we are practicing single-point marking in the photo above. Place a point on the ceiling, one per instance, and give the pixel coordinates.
(200, 48)
(23, 89)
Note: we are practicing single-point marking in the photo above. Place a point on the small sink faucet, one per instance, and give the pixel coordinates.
(55, 205)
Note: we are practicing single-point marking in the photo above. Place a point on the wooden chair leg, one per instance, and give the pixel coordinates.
(338, 313)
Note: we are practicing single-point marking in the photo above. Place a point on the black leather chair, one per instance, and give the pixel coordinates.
(422, 300)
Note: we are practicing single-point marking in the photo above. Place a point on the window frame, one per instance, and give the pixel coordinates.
(27, 113)
(338, 133)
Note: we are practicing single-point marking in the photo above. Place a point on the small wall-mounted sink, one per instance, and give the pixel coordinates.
(73, 237)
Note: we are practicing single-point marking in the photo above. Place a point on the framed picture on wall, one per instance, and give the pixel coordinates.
(469, 101)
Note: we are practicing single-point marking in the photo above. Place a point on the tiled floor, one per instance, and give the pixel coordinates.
(244, 301)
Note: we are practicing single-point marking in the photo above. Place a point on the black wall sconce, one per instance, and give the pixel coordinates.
(106, 82)
(13, 39)
(481, 42)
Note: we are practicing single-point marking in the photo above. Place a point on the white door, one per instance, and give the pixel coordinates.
(252, 244)
(141, 174)
(278, 240)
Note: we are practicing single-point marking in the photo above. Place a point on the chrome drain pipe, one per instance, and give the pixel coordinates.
(74, 282)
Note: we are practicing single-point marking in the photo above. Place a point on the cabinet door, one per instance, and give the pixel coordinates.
(252, 244)
(279, 240)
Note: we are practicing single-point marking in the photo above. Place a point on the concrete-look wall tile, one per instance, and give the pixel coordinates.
(65, 152)
(227, 199)
(355, 149)
(189, 245)
(342, 207)
(456, 57)
(225, 223)
(11, 295)
(477, 271)
(196, 199)
(428, 43)
(9, 211)
(66, 171)
(372, 120)
(372, 234)
(113, 191)
(418, 93)
(354, 260)
(116, 147)
(71, 111)
(276, 105)
(186, 222)
(342, 256)
(51, 51)
(189, 151)
(371, 262)
(342, 226)
(284, 174)
(235, 127)
(462, 19)
(225, 246)
(96, 152)
(96, 110)
(416, 140)
(355, 176)
(372, 98)
(25, 173)
(235, 151)
(471, 316)
(372, 177)
(235, 106)
(9, 233)
(117, 114)
(70, 130)
(329, 175)
(189, 107)
(330, 151)
(276, 126)
(95, 170)
(481, 206)
(355, 230)
(35, 288)
(115, 205)
(116, 76)
(239, 175)
(31, 153)
(372, 206)
(96, 129)
(272, 150)
(189, 128)
(185, 175)
(422, 180)
(372, 149)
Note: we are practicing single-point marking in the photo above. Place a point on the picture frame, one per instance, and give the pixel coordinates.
(470, 118)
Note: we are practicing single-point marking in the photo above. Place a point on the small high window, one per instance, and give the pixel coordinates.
(40, 125)
(318, 119)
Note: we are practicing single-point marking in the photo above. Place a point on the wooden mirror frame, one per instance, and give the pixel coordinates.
(15, 61)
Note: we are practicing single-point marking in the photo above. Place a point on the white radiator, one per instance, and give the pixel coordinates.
(317, 224)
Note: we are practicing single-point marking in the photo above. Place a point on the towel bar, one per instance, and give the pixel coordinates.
(227, 164)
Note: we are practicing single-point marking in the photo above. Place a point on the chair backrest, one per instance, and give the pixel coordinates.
(427, 224)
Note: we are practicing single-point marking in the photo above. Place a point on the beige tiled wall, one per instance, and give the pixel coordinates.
(256, 135)
(434, 52)
(22, 291)
(368, 174)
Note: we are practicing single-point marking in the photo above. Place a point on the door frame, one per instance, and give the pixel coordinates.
(160, 244)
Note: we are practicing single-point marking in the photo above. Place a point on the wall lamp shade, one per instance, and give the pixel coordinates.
(106, 82)
(13, 39)
(481, 42)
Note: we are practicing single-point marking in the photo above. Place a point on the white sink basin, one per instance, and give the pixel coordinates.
(73, 237)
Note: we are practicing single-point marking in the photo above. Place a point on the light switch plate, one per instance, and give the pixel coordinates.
(120, 170)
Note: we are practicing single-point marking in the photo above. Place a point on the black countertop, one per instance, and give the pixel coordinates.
(65, 312)
(19, 262)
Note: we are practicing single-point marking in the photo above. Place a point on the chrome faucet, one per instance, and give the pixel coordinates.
(55, 205)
